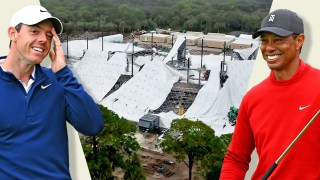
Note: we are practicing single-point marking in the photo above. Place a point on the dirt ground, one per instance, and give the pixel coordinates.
(158, 165)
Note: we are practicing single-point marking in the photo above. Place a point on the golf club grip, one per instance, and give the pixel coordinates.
(269, 172)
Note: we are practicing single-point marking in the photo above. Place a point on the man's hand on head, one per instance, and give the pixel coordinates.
(57, 55)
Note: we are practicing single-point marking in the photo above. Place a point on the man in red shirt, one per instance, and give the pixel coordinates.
(275, 111)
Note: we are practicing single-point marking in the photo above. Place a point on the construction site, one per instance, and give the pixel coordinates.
(141, 83)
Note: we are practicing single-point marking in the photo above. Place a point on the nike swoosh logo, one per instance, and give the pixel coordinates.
(303, 107)
(45, 86)
(43, 11)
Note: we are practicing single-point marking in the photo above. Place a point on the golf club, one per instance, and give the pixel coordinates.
(275, 164)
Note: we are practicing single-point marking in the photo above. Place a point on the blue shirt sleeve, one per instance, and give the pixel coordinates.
(81, 110)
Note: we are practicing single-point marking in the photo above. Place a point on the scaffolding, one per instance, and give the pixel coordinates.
(180, 98)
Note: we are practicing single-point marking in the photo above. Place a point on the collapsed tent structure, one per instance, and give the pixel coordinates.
(153, 80)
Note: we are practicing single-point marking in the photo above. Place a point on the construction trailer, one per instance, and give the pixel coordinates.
(150, 122)
(193, 33)
(153, 37)
(216, 34)
(241, 44)
(215, 41)
(191, 40)
(171, 39)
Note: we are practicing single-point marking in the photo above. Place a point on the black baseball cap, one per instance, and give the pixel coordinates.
(282, 22)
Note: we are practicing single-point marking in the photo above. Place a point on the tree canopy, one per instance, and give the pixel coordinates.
(196, 142)
(114, 147)
(181, 15)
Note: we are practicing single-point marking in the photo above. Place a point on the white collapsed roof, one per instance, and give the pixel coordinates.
(149, 88)
(98, 74)
(211, 104)
(174, 49)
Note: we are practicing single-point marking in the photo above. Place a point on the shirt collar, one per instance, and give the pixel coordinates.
(33, 74)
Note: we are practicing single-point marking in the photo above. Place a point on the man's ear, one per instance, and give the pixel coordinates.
(12, 33)
(300, 40)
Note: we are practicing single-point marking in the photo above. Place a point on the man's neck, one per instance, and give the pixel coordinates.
(19, 69)
(283, 75)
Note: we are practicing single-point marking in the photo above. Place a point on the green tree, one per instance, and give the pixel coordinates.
(251, 23)
(220, 27)
(133, 169)
(110, 26)
(191, 140)
(152, 25)
(236, 15)
(114, 147)
(161, 21)
(211, 164)
(191, 24)
(144, 24)
(122, 26)
(137, 26)
(174, 23)
(124, 10)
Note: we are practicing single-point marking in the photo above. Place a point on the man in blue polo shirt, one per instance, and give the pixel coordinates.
(36, 102)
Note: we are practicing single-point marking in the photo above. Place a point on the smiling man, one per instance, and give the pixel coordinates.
(274, 112)
(36, 102)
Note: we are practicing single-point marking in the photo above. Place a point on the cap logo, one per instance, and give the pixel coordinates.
(271, 18)
(34, 14)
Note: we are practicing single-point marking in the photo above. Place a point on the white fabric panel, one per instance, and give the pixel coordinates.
(147, 90)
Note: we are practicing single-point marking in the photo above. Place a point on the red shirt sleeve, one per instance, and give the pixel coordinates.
(238, 156)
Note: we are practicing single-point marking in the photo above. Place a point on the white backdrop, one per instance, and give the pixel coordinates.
(310, 13)
(78, 166)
